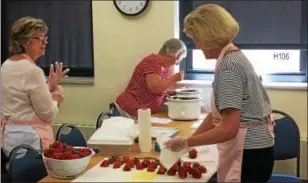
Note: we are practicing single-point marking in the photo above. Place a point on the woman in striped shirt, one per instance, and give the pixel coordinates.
(240, 122)
(151, 80)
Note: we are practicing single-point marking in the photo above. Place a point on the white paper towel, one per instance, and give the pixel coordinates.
(167, 157)
(144, 122)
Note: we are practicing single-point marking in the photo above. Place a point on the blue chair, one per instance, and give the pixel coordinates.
(113, 111)
(101, 118)
(287, 145)
(74, 137)
(28, 168)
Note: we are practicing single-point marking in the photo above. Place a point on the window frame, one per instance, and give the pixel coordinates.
(79, 72)
(194, 74)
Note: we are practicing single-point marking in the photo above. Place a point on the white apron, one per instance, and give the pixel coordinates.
(231, 152)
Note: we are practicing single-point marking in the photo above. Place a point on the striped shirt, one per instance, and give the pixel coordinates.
(236, 85)
(137, 95)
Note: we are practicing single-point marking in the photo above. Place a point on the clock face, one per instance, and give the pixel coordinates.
(131, 8)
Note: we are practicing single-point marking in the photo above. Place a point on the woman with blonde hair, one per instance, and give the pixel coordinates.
(28, 104)
(239, 122)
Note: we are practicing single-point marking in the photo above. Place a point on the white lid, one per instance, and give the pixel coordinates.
(116, 130)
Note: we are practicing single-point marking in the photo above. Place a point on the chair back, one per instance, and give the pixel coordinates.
(27, 168)
(74, 137)
(113, 111)
(287, 138)
(101, 117)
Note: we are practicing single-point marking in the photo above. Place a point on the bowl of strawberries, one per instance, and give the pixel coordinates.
(66, 161)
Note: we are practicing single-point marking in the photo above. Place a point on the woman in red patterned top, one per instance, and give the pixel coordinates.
(151, 80)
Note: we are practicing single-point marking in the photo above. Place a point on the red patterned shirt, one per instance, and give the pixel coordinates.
(137, 95)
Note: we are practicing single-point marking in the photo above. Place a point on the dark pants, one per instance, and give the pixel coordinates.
(4, 160)
(257, 165)
(116, 112)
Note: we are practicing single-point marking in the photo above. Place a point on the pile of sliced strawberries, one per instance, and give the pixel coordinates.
(152, 165)
(59, 150)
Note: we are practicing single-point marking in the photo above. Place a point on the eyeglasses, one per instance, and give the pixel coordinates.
(41, 38)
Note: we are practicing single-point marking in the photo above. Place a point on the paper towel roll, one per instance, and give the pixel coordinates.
(144, 114)
(144, 122)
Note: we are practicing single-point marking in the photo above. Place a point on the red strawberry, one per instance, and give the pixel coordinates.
(193, 154)
(69, 147)
(175, 166)
(126, 158)
(145, 163)
(55, 144)
(105, 163)
(75, 156)
(196, 165)
(196, 174)
(127, 168)
(130, 163)
(117, 164)
(191, 170)
(111, 160)
(182, 172)
(161, 170)
(202, 169)
(151, 168)
(139, 166)
(57, 155)
(84, 152)
(179, 163)
(47, 153)
(61, 146)
(57, 151)
(171, 172)
(136, 160)
(153, 164)
(68, 155)
(121, 160)
(186, 164)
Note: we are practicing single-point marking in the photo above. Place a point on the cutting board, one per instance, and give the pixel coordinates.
(204, 154)
(108, 174)
(207, 156)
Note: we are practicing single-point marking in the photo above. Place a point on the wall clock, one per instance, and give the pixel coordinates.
(131, 8)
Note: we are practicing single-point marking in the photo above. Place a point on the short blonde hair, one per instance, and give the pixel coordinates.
(211, 26)
(22, 31)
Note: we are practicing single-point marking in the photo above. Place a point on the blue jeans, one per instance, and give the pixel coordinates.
(116, 112)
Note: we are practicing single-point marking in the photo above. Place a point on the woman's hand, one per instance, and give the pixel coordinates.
(169, 93)
(177, 144)
(54, 78)
(179, 76)
(58, 95)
